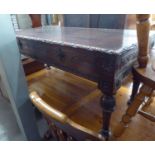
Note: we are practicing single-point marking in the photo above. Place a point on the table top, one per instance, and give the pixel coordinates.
(106, 40)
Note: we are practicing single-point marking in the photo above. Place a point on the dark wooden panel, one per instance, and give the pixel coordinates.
(30, 66)
(95, 54)
(100, 55)
(92, 65)
(101, 40)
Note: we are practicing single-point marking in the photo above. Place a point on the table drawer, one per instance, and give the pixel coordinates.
(72, 59)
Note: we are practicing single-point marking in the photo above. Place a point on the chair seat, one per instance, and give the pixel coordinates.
(63, 91)
(143, 97)
(147, 75)
(63, 121)
(72, 103)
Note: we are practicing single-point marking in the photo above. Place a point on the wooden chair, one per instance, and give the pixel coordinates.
(143, 77)
(61, 126)
(66, 102)
(141, 100)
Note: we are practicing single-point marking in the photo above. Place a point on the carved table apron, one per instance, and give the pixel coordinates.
(105, 56)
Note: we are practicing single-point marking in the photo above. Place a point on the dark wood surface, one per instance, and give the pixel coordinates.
(30, 66)
(102, 55)
(91, 53)
(86, 38)
(144, 75)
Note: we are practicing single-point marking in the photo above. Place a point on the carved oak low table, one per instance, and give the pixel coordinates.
(105, 56)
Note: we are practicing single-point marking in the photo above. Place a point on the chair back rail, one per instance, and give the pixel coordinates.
(63, 121)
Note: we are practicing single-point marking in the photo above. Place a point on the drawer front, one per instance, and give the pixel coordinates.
(82, 62)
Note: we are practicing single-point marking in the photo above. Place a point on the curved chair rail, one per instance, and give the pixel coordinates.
(59, 116)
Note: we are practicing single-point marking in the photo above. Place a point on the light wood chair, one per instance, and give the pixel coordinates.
(143, 79)
(61, 126)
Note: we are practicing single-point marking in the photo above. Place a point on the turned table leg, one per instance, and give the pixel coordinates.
(107, 102)
(135, 88)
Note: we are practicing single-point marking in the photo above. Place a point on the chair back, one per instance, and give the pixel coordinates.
(109, 21)
(61, 126)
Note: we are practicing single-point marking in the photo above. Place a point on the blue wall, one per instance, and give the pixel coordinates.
(12, 74)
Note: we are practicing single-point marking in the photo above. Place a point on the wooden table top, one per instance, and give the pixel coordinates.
(92, 53)
(106, 40)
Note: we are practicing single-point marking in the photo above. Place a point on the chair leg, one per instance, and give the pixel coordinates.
(150, 98)
(47, 136)
(130, 112)
(147, 115)
(52, 130)
(135, 88)
(62, 135)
